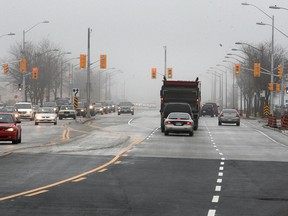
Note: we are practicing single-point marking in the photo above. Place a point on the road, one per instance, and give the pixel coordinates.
(124, 165)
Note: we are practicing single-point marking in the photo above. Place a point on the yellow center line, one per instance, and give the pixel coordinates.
(79, 179)
(135, 142)
(102, 170)
(36, 193)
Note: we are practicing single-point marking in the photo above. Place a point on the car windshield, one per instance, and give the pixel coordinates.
(6, 118)
(182, 116)
(45, 110)
(67, 108)
(125, 104)
(98, 105)
(49, 104)
(8, 109)
(23, 106)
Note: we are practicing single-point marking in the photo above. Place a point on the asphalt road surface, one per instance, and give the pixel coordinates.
(124, 165)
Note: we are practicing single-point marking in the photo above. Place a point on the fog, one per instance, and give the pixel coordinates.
(133, 33)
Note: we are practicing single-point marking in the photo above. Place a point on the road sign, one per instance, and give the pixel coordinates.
(76, 92)
(266, 110)
(76, 102)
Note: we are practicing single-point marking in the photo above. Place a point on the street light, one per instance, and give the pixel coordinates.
(232, 54)
(242, 43)
(276, 7)
(23, 54)
(220, 75)
(272, 52)
(9, 34)
(61, 73)
(234, 59)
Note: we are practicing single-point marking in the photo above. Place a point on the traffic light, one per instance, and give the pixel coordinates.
(23, 67)
(103, 61)
(280, 70)
(278, 87)
(6, 69)
(237, 69)
(35, 73)
(257, 72)
(153, 73)
(270, 86)
(82, 61)
(170, 73)
(19, 87)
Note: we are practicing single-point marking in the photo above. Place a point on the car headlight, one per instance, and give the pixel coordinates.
(10, 129)
(90, 107)
(82, 110)
(16, 115)
(101, 109)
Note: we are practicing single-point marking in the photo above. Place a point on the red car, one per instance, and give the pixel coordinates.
(10, 130)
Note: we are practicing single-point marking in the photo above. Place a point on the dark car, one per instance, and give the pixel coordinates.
(229, 116)
(11, 109)
(174, 107)
(81, 109)
(215, 108)
(99, 108)
(126, 107)
(10, 129)
(207, 109)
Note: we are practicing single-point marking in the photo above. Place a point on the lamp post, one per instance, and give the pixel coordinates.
(24, 55)
(109, 81)
(9, 34)
(61, 70)
(242, 43)
(220, 75)
(272, 52)
(276, 7)
(226, 100)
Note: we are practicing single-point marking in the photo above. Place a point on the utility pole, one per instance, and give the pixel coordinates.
(165, 61)
(88, 76)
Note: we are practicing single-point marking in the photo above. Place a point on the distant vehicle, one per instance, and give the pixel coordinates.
(12, 110)
(215, 108)
(10, 129)
(125, 107)
(46, 115)
(25, 110)
(61, 102)
(105, 107)
(99, 108)
(181, 92)
(2, 105)
(92, 109)
(207, 109)
(52, 104)
(178, 122)
(229, 116)
(81, 109)
(67, 111)
(174, 107)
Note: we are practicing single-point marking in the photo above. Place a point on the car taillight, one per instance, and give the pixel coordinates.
(168, 122)
(178, 118)
(188, 123)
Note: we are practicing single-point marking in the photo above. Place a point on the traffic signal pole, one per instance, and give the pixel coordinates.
(88, 76)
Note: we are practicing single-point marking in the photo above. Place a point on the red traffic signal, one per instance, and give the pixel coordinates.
(35, 73)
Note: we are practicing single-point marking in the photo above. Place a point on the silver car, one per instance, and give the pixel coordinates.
(229, 116)
(179, 122)
(46, 115)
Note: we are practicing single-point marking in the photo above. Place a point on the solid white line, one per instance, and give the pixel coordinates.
(218, 188)
(211, 212)
(219, 180)
(215, 199)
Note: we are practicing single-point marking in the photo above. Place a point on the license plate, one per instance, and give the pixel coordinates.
(178, 124)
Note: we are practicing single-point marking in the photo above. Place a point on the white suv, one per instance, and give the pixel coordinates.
(25, 110)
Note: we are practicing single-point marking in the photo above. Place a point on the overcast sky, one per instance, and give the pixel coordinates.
(133, 32)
